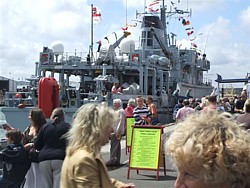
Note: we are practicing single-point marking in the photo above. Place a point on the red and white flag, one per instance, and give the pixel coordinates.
(96, 14)
(194, 45)
(190, 33)
(154, 7)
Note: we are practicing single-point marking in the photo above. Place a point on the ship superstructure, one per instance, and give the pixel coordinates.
(156, 67)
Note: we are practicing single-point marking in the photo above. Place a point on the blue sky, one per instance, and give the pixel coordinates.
(27, 26)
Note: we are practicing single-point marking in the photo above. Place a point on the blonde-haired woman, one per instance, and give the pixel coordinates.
(90, 130)
(210, 151)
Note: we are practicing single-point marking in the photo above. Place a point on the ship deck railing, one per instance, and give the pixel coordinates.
(11, 100)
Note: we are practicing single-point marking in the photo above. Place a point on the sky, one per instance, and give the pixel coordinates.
(29, 25)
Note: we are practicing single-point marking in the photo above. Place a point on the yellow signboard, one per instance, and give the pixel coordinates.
(129, 123)
(145, 147)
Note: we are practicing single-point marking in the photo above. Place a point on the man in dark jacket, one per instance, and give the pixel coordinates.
(52, 145)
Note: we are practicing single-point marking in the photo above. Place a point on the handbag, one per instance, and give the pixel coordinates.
(33, 155)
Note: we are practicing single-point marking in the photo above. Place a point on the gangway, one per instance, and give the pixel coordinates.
(234, 80)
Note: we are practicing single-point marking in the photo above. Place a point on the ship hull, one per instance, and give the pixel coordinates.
(18, 118)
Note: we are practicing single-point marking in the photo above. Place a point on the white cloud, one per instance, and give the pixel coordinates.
(244, 19)
(134, 3)
(198, 5)
(228, 55)
(30, 25)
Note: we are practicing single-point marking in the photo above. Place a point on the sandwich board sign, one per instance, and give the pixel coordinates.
(130, 121)
(145, 150)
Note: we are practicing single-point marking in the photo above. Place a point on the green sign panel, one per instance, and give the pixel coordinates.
(129, 123)
(145, 149)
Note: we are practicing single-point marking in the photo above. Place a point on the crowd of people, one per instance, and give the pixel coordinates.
(56, 154)
(238, 107)
(44, 144)
(210, 146)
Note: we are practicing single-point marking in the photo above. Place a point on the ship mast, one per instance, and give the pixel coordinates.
(163, 16)
(91, 39)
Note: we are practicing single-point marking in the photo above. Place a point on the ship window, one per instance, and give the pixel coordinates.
(152, 21)
(187, 69)
(143, 42)
(143, 38)
(143, 35)
(150, 42)
(150, 35)
(182, 53)
(149, 38)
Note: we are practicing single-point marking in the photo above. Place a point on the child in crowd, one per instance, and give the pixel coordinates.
(15, 160)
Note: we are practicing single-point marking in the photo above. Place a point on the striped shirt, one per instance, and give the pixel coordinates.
(138, 113)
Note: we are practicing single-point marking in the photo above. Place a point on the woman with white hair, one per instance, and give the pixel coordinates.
(210, 151)
(83, 166)
(130, 107)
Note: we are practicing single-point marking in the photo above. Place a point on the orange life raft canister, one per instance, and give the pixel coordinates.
(48, 95)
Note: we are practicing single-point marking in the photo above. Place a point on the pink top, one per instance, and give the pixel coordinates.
(114, 90)
(184, 112)
(129, 110)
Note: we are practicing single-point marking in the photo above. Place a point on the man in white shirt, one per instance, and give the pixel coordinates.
(116, 136)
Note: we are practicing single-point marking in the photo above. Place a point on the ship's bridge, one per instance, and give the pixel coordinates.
(153, 38)
(152, 21)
